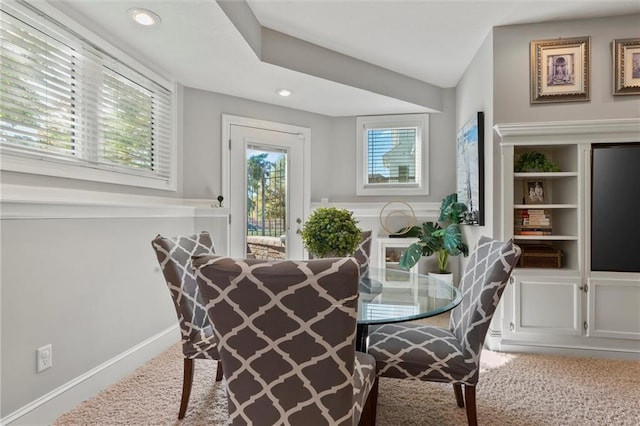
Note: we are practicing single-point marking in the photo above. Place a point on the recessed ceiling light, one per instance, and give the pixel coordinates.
(284, 92)
(143, 16)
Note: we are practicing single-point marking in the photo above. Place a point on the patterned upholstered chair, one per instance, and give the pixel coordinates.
(286, 332)
(174, 256)
(363, 253)
(421, 352)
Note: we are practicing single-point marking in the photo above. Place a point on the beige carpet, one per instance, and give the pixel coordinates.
(514, 389)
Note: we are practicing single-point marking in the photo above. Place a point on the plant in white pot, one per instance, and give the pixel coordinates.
(331, 232)
(442, 238)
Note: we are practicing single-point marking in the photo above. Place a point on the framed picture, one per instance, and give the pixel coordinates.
(534, 192)
(560, 70)
(626, 66)
(470, 168)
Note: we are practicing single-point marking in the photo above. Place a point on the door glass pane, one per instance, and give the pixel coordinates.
(266, 202)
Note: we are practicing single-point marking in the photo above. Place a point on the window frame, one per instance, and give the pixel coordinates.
(418, 121)
(15, 160)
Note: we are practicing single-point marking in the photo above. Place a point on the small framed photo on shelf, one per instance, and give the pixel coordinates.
(560, 70)
(626, 66)
(534, 192)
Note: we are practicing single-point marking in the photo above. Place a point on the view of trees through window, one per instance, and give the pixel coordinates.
(62, 98)
(37, 83)
(266, 193)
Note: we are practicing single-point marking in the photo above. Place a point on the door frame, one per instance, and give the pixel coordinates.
(303, 132)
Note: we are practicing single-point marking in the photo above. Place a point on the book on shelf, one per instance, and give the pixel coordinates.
(532, 218)
(531, 228)
(532, 232)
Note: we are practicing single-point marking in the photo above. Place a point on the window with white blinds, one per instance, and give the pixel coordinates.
(392, 155)
(87, 114)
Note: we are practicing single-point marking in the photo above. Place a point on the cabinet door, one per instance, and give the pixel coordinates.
(546, 305)
(614, 308)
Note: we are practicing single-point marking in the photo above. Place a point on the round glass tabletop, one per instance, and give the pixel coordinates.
(393, 295)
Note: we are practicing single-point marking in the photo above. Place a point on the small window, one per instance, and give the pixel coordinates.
(393, 155)
(70, 109)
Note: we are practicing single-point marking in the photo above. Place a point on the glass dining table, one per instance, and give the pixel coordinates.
(395, 295)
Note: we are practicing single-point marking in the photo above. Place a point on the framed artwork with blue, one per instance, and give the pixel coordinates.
(470, 169)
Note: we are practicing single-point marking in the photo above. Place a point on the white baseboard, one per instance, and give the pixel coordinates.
(498, 343)
(46, 409)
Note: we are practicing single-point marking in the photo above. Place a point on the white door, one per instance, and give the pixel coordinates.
(268, 189)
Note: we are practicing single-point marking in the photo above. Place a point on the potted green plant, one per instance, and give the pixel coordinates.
(331, 232)
(442, 238)
(534, 162)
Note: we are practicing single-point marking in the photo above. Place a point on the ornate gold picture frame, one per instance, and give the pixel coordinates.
(626, 66)
(560, 70)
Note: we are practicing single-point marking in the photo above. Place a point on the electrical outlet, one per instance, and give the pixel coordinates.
(44, 358)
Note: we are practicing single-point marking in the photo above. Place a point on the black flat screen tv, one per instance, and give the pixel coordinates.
(615, 207)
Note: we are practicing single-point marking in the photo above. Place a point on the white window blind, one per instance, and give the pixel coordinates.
(66, 101)
(393, 155)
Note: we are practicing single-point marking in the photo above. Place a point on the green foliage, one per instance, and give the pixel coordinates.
(534, 162)
(266, 192)
(442, 238)
(257, 171)
(331, 232)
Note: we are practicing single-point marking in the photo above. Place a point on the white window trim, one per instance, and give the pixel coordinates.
(10, 161)
(421, 121)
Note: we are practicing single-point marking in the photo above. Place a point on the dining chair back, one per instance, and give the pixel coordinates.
(286, 332)
(174, 255)
(363, 253)
(422, 352)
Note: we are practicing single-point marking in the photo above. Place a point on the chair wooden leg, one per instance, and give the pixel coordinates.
(187, 380)
(375, 402)
(457, 389)
(370, 409)
(470, 400)
(219, 373)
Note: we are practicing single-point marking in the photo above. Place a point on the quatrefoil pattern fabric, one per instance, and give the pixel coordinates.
(286, 333)
(363, 254)
(414, 351)
(174, 255)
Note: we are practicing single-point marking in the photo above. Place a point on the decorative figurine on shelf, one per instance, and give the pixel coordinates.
(408, 214)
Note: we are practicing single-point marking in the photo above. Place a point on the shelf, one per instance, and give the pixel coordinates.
(544, 206)
(545, 237)
(543, 175)
(561, 204)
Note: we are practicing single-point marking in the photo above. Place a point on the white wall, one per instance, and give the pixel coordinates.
(512, 71)
(86, 283)
(474, 93)
(202, 133)
(333, 147)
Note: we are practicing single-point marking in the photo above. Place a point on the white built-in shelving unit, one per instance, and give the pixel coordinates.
(570, 308)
